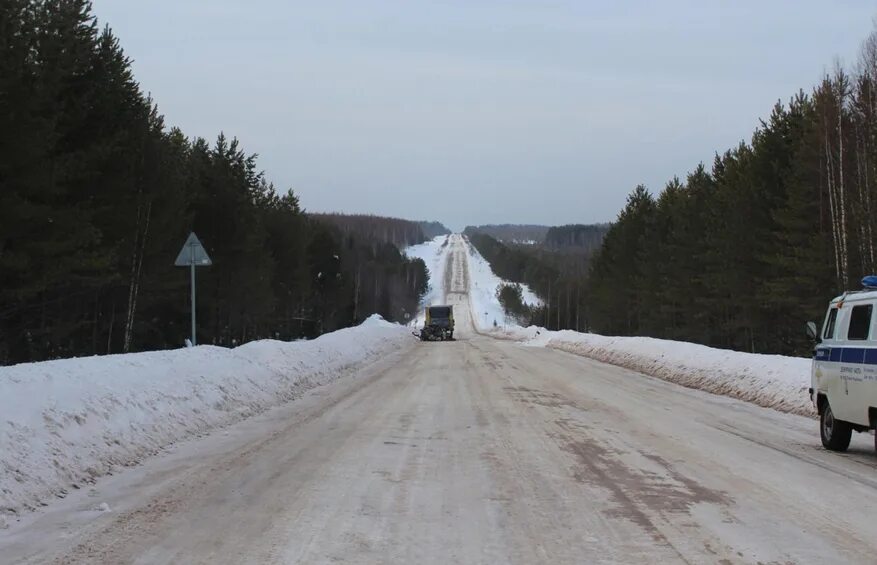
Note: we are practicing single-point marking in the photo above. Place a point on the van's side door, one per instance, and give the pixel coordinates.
(855, 356)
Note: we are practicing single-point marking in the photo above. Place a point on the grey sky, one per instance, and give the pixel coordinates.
(479, 111)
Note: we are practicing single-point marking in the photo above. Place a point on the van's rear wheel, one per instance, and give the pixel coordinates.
(836, 434)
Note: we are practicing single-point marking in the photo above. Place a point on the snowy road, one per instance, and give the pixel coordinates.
(482, 451)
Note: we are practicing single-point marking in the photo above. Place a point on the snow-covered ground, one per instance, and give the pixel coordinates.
(487, 312)
(435, 254)
(645, 467)
(64, 423)
(773, 381)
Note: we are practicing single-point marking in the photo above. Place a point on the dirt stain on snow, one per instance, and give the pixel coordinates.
(542, 398)
(638, 495)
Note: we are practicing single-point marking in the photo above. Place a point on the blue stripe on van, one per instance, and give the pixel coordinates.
(857, 355)
(852, 355)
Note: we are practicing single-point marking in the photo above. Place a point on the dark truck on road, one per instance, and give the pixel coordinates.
(439, 324)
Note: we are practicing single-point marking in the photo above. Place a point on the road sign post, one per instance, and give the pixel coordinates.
(192, 284)
(193, 255)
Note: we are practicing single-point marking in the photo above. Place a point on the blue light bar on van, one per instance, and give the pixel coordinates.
(870, 282)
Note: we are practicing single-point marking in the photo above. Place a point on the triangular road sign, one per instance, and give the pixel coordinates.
(193, 253)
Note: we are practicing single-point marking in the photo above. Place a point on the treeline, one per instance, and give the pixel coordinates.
(576, 237)
(380, 278)
(375, 275)
(741, 254)
(97, 196)
(397, 231)
(558, 278)
(431, 230)
(510, 233)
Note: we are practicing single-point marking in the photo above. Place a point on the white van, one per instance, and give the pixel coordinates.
(844, 375)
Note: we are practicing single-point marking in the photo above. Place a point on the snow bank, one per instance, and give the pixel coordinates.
(772, 381)
(483, 284)
(64, 423)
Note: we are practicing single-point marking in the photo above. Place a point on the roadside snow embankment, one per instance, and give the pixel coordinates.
(64, 423)
(772, 381)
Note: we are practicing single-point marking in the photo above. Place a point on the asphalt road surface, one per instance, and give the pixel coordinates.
(483, 451)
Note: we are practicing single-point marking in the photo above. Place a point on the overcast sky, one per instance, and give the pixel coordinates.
(479, 111)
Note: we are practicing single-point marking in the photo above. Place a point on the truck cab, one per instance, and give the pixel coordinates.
(844, 372)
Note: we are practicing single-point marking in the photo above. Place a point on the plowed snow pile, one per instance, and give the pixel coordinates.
(773, 381)
(64, 423)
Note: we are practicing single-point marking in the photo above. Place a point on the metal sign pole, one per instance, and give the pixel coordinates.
(196, 256)
(192, 268)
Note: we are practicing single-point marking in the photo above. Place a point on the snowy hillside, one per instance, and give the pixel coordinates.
(435, 254)
(487, 312)
(64, 423)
